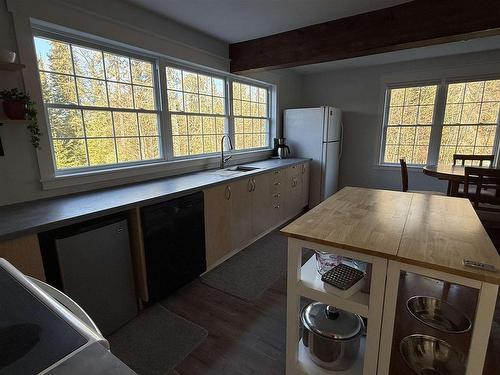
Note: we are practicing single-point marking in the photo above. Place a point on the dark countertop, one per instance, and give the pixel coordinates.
(46, 214)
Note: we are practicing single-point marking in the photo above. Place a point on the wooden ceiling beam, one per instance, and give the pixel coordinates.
(418, 23)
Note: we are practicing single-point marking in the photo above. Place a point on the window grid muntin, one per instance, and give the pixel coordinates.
(235, 117)
(456, 147)
(416, 125)
(110, 110)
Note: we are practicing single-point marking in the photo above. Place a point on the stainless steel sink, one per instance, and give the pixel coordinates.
(241, 168)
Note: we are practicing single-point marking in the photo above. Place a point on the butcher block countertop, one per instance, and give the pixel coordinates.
(429, 231)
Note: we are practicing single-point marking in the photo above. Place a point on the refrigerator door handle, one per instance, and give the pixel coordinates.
(341, 139)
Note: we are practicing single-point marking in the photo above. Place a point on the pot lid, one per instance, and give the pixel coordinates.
(330, 322)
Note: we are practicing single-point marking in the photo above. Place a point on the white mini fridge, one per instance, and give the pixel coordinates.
(316, 133)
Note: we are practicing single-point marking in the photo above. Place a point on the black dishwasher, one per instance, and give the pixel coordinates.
(174, 244)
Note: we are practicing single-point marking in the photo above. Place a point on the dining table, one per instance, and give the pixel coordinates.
(454, 174)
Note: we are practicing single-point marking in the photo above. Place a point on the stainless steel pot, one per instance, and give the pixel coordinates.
(331, 335)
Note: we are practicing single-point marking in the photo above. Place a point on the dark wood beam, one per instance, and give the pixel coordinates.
(418, 23)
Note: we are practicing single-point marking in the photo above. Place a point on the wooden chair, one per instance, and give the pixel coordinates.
(404, 176)
(472, 158)
(486, 194)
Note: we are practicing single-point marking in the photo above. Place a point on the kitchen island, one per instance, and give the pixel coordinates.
(395, 233)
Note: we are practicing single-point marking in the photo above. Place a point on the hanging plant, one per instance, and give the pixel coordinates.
(18, 105)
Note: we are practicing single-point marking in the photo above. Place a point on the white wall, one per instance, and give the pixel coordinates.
(359, 93)
(115, 20)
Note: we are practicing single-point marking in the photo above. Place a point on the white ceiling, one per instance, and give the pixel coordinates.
(238, 20)
(448, 49)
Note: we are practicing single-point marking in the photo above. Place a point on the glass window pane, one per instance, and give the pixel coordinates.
(65, 123)
(397, 97)
(179, 125)
(245, 92)
(446, 154)
(58, 89)
(423, 135)
(218, 106)
(205, 84)
(470, 113)
(205, 104)
(392, 136)
(486, 135)
(53, 56)
(175, 101)
(449, 135)
(262, 95)
(142, 72)
(428, 95)
(148, 124)
(92, 92)
(218, 87)
(191, 103)
(220, 125)
(125, 124)
(195, 125)
(128, 149)
(88, 62)
(473, 92)
(101, 151)
(455, 93)
(237, 107)
(150, 148)
(467, 135)
(180, 145)
(70, 153)
(209, 143)
(407, 136)
(409, 115)
(236, 90)
(395, 116)
(425, 113)
(489, 113)
(195, 145)
(412, 96)
(174, 78)
(452, 113)
(209, 125)
(144, 98)
(117, 67)
(98, 123)
(492, 91)
(190, 82)
(120, 95)
(420, 154)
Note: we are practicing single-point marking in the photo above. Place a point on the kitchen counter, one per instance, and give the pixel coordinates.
(430, 231)
(46, 214)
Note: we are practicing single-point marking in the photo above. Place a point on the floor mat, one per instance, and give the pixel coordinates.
(156, 341)
(253, 270)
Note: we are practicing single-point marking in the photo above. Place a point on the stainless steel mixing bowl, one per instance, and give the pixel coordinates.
(438, 314)
(427, 355)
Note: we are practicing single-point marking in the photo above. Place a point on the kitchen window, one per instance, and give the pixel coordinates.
(427, 124)
(101, 106)
(197, 110)
(110, 107)
(251, 116)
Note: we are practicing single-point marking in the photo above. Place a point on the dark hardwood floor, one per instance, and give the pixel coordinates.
(243, 337)
(249, 337)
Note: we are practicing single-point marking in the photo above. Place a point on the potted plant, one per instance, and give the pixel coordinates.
(18, 105)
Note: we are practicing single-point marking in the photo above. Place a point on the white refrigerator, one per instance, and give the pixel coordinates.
(316, 133)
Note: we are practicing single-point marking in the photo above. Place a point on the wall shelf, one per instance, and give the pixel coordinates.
(11, 67)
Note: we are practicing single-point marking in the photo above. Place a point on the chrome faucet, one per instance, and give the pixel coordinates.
(224, 160)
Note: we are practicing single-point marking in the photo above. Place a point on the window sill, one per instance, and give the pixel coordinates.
(136, 173)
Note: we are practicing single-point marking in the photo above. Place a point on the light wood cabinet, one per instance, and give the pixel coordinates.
(304, 168)
(241, 211)
(218, 222)
(263, 209)
(24, 254)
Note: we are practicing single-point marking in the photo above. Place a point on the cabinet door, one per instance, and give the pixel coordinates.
(241, 212)
(217, 222)
(262, 203)
(293, 188)
(305, 185)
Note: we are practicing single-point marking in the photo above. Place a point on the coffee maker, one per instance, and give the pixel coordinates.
(281, 150)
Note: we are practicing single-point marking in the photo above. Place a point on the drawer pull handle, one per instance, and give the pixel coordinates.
(277, 183)
(227, 192)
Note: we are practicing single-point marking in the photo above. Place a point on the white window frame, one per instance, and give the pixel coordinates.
(37, 32)
(268, 118)
(167, 164)
(438, 116)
